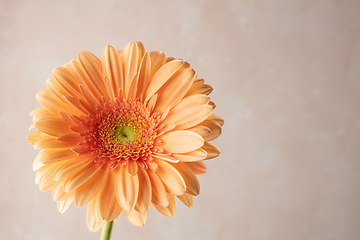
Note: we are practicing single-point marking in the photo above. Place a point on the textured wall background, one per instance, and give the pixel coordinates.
(286, 78)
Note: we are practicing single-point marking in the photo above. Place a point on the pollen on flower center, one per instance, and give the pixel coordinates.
(125, 133)
(122, 131)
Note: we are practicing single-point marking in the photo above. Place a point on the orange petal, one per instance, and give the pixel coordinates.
(198, 154)
(204, 89)
(68, 167)
(144, 198)
(88, 190)
(136, 218)
(174, 90)
(158, 196)
(212, 104)
(165, 157)
(216, 118)
(56, 88)
(144, 73)
(132, 167)
(181, 141)
(129, 60)
(197, 167)
(54, 104)
(201, 130)
(35, 136)
(36, 164)
(53, 126)
(59, 194)
(162, 76)
(83, 78)
(112, 68)
(187, 199)
(172, 179)
(157, 60)
(214, 127)
(42, 113)
(93, 218)
(64, 205)
(54, 155)
(198, 82)
(168, 211)
(126, 188)
(67, 80)
(92, 66)
(109, 207)
(80, 177)
(191, 181)
(189, 111)
(71, 137)
(44, 177)
(211, 150)
(51, 142)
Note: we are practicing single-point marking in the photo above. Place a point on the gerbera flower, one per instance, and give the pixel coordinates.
(123, 133)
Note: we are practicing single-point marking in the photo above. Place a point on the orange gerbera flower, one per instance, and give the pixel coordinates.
(123, 132)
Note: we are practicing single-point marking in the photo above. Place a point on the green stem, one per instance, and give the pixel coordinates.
(106, 230)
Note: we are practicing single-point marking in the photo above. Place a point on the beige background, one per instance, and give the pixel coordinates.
(286, 78)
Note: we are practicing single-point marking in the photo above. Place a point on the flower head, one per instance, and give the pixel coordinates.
(123, 133)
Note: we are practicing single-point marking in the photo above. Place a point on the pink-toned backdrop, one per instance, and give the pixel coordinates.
(286, 78)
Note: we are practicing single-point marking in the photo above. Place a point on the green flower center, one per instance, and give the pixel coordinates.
(125, 133)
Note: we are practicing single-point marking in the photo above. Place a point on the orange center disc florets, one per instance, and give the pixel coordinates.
(122, 131)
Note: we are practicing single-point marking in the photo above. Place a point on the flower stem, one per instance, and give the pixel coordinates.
(106, 231)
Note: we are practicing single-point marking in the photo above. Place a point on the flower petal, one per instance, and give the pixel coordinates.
(169, 210)
(216, 118)
(82, 77)
(136, 218)
(191, 181)
(54, 155)
(35, 136)
(64, 205)
(112, 68)
(162, 76)
(51, 142)
(54, 104)
(211, 150)
(204, 89)
(44, 177)
(80, 177)
(198, 154)
(157, 60)
(93, 217)
(144, 198)
(174, 90)
(59, 194)
(198, 82)
(71, 137)
(201, 130)
(109, 207)
(53, 126)
(171, 178)
(88, 190)
(144, 74)
(129, 60)
(67, 80)
(132, 168)
(190, 111)
(158, 196)
(187, 199)
(181, 141)
(214, 127)
(126, 188)
(92, 67)
(197, 167)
